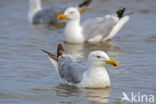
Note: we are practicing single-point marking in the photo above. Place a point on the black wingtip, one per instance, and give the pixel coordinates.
(60, 50)
(85, 3)
(46, 51)
(50, 54)
(120, 12)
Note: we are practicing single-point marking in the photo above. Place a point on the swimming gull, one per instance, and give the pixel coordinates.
(92, 30)
(94, 75)
(38, 15)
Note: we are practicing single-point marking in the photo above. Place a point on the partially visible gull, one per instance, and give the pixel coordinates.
(38, 15)
(94, 75)
(92, 30)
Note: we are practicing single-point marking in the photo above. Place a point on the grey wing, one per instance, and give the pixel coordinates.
(72, 72)
(48, 15)
(99, 27)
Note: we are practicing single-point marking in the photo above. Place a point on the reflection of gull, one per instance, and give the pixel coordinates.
(94, 75)
(92, 30)
(65, 90)
(95, 96)
(98, 96)
(74, 50)
(49, 15)
(82, 50)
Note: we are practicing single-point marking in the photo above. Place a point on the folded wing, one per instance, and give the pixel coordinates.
(71, 72)
(98, 28)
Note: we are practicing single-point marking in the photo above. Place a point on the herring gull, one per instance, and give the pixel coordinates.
(37, 14)
(93, 75)
(92, 30)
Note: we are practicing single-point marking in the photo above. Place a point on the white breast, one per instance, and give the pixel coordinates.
(73, 33)
(117, 27)
(97, 78)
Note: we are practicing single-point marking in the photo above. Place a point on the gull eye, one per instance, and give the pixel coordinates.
(62, 57)
(71, 12)
(98, 56)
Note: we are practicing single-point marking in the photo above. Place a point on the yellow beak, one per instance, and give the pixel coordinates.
(61, 16)
(112, 62)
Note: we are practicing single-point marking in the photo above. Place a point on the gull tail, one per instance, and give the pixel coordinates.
(85, 3)
(120, 12)
(123, 19)
(50, 55)
(60, 50)
(84, 6)
(34, 7)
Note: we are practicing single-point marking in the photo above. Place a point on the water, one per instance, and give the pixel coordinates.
(27, 76)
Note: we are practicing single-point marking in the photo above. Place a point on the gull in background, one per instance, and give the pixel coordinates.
(93, 75)
(92, 30)
(37, 14)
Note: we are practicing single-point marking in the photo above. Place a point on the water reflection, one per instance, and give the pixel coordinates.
(82, 50)
(95, 96)
(74, 49)
(27, 77)
(98, 96)
(65, 90)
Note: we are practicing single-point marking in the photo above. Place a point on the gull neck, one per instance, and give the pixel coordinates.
(34, 7)
(73, 32)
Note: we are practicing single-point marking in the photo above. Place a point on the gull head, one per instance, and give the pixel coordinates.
(70, 13)
(100, 58)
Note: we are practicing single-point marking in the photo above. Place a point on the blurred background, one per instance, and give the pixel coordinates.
(27, 76)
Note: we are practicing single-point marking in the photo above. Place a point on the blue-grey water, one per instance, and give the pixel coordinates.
(27, 76)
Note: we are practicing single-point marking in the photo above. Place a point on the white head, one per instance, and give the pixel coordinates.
(70, 13)
(100, 58)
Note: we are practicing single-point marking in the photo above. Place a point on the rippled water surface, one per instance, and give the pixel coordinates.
(27, 76)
